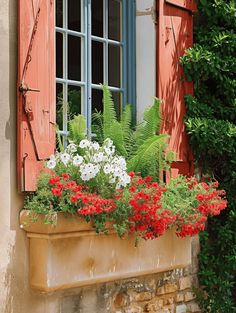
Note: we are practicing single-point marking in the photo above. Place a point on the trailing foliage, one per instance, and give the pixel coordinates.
(211, 124)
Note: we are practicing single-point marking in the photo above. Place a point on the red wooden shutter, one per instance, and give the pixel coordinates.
(36, 88)
(174, 35)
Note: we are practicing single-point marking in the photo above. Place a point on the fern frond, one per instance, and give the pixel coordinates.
(148, 158)
(77, 128)
(97, 126)
(58, 140)
(125, 120)
(151, 123)
(109, 113)
(115, 132)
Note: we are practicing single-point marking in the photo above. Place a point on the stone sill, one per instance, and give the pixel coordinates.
(71, 254)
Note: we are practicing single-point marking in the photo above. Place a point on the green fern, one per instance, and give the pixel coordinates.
(109, 113)
(142, 146)
(77, 128)
(59, 142)
(149, 157)
(151, 123)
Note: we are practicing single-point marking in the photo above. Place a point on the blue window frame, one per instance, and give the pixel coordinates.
(95, 44)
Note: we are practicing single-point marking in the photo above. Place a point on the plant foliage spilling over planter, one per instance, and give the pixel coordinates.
(95, 185)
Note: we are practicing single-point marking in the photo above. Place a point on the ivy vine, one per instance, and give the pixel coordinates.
(211, 125)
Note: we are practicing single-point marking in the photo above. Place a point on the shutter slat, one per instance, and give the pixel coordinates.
(36, 70)
(184, 4)
(174, 35)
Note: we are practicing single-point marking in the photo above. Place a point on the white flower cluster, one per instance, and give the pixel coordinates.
(97, 160)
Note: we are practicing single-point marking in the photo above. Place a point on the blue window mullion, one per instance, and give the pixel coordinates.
(105, 35)
(124, 52)
(89, 71)
(85, 61)
(65, 71)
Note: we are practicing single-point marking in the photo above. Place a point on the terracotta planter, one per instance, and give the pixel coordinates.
(71, 254)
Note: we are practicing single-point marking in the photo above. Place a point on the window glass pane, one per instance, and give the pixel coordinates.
(59, 55)
(114, 66)
(74, 15)
(74, 101)
(59, 13)
(97, 104)
(97, 62)
(74, 58)
(97, 17)
(114, 20)
(117, 98)
(59, 105)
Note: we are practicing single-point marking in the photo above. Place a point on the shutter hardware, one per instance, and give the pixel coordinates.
(25, 88)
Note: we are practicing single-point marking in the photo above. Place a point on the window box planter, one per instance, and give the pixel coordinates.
(71, 254)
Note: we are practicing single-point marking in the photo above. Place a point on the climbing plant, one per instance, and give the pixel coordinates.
(211, 125)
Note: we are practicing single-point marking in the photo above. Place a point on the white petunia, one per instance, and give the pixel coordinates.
(117, 171)
(88, 171)
(124, 179)
(98, 157)
(122, 163)
(72, 147)
(107, 169)
(112, 180)
(95, 146)
(85, 176)
(84, 143)
(108, 142)
(77, 160)
(51, 163)
(109, 150)
(65, 158)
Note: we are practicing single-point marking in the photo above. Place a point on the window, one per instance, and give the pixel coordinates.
(94, 45)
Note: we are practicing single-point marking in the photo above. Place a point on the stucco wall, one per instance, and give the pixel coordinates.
(145, 54)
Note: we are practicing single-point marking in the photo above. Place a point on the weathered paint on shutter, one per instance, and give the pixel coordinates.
(36, 88)
(174, 35)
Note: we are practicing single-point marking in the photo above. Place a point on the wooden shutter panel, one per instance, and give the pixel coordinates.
(174, 35)
(36, 88)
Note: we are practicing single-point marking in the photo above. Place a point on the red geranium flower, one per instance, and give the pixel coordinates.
(65, 176)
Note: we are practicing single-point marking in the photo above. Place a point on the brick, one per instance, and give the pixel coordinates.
(171, 288)
(143, 296)
(182, 308)
(169, 308)
(193, 307)
(160, 290)
(179, 297)
(185, 282)
(189, 296)
(120, 300)
(154, 305)
(134, 308)
(170, 300)
(160, 311)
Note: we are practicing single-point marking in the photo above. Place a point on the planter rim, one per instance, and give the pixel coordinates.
(65, 223)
